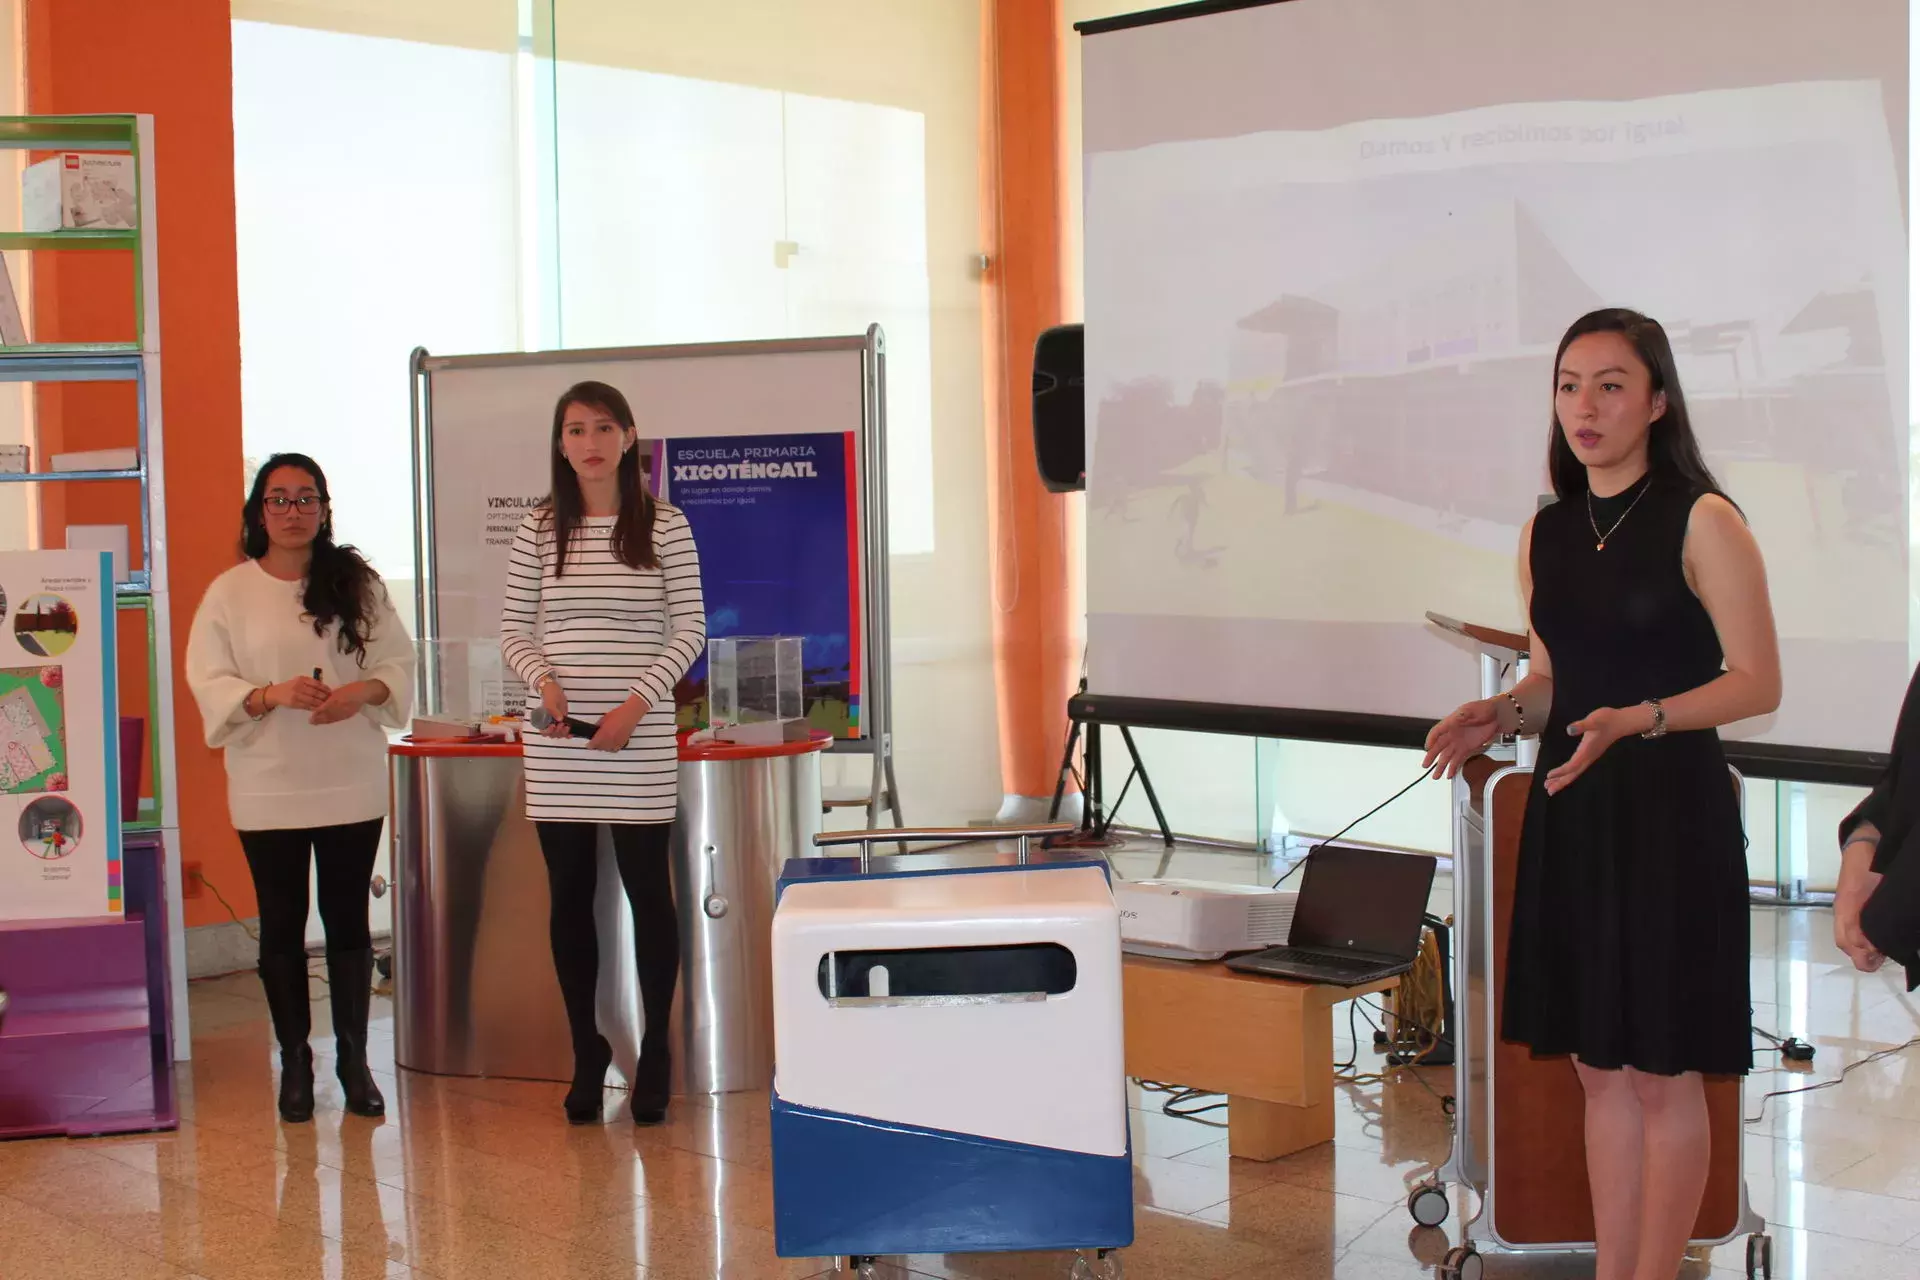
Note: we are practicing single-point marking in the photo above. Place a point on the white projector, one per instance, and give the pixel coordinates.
(1196, 920)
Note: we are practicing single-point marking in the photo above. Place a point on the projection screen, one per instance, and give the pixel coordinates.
(1330, 247)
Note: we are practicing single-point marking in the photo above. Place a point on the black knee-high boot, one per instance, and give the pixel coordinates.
(285, 981)
(350, 985)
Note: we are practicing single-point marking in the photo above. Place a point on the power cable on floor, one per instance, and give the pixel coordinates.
(221, 898)
(1838, 1080)
(1178, 1096)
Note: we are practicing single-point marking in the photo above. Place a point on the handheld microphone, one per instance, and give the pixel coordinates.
(541, 718)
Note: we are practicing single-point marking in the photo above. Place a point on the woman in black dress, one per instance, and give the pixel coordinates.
(1651, 627)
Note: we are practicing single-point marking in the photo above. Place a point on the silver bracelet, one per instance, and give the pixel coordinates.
(1659, 729)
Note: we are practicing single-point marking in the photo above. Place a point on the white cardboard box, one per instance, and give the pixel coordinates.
(96, 460)
(13, 326)
(103, 537)
(79, 190)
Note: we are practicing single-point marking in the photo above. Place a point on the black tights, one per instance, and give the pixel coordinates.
(640, 851)
(343, 856)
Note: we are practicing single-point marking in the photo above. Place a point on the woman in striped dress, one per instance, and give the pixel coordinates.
(603, 616)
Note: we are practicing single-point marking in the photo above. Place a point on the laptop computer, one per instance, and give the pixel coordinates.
(1357, 920)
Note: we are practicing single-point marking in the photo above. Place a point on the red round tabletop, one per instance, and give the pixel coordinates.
(452, 747)
(456, 748)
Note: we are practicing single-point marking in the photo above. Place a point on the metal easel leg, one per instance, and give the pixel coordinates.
(1066, 771)
(1146, 784)
(893, 788)
(1093, 808)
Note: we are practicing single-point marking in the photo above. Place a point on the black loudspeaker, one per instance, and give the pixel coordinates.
(1060, 408)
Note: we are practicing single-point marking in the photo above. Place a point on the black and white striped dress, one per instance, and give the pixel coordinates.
(604, 631)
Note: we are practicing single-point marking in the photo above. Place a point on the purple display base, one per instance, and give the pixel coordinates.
(87, 1044)
(133, 745)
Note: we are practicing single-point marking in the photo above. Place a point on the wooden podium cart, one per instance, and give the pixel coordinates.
(1519, 1137)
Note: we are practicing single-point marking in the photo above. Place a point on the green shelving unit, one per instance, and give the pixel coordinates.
(144, 602)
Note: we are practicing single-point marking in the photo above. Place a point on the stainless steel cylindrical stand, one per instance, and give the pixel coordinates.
(743, 812)
(474, 988)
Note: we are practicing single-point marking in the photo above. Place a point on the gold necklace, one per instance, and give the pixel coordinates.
(1600, 539)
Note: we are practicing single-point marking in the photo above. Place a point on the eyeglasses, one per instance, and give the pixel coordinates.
(307, 502)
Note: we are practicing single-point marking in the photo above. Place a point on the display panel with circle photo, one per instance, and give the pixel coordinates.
(50, 828)
(33, 730)
(46, 625)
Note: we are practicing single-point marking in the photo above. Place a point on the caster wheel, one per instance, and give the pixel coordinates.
(861, 1266)
(1462, 1263)
(1760, 1257)
(1104, 1265)
(1428, 1204)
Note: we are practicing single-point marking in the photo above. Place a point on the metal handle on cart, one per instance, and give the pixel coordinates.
(920, 835)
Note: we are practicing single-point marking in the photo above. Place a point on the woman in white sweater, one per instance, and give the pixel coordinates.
(603, 616)
(299, 662)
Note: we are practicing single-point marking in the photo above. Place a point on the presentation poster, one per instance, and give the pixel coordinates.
(59, 739)
(776, 520)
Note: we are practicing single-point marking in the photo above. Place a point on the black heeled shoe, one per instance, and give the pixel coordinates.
(652, 1087)
(584, 1098)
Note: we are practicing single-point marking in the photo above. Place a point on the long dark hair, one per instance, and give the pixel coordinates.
(340, 583)
(632, 539)
(1672, 450)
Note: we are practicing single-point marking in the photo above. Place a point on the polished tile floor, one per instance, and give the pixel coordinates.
(472, 1178)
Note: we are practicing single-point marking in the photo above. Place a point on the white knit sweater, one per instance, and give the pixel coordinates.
(284, 771)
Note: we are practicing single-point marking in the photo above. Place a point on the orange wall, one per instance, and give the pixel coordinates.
(1036, 548)
(173, 60)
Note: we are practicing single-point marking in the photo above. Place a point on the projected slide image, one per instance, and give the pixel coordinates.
(1322, 307)
(1340, 381)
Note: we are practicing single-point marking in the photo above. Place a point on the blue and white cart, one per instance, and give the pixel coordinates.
(948, 1073)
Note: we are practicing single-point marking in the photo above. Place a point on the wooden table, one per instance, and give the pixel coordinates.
(1264, 1042)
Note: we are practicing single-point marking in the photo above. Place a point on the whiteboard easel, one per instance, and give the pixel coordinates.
(478, 418)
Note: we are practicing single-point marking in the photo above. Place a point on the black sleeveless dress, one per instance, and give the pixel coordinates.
(1629, 945)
